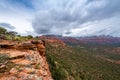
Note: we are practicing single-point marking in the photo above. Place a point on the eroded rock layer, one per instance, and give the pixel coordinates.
(23, 61)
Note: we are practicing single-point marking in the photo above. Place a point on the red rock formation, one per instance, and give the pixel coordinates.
(40, 45)
(28, 58)
(53, 40)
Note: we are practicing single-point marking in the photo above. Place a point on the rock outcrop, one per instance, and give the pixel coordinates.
(54, 41)
(23, 61)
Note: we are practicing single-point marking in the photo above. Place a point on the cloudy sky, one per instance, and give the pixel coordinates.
(61, 17)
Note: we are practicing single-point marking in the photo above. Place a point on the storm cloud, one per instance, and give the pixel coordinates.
(72, 17)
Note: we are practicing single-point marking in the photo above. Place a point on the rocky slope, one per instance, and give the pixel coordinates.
(23, 61)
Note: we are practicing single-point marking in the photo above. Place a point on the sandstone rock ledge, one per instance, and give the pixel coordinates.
(24, 61)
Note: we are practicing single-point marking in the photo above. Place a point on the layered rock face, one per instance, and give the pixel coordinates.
(23, 61)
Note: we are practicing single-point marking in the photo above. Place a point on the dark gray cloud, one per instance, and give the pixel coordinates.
(68, 32)
(61, 16)
(7, 25)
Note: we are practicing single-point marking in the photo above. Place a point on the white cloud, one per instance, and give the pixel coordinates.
(108, 26)
(16, 15)
(72, 18)
(61, 17)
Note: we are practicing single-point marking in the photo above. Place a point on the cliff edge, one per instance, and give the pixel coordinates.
(24, 60)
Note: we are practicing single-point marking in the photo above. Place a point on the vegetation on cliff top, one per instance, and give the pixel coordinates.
(12, 35)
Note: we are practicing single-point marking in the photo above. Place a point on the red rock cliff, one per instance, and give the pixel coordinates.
(25, 61)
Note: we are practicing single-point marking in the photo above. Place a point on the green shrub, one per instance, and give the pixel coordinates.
(3, 30)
